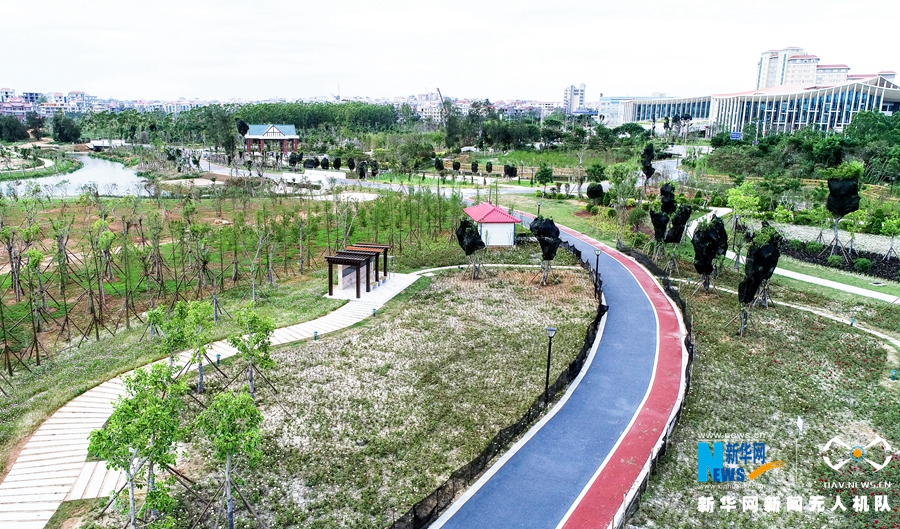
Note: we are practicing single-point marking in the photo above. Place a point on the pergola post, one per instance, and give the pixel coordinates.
(357, 281)
(330, 278)
(368, 278)
(283, 147)
(262, 147)
(294, 142)
(249, 143)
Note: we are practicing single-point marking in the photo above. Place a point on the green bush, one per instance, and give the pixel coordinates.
(640, 238)
(636, 216)
(862, 264)
(796, 245)
(589, 207)
(814, 247)
(645, 205)
(538, 193)
(876, 221)
(717, 201)
(610, 212)
(836, 261)
(803, 219)
(595, 210)
(630, 203)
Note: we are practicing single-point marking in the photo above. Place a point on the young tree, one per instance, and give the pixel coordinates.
(231, 425)
(142, 430)
(544, 176)
(255, 345)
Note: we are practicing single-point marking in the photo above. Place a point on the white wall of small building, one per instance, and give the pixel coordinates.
(498, 234)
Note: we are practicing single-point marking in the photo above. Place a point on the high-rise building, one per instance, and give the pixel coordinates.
(793, 66)
(573, 98)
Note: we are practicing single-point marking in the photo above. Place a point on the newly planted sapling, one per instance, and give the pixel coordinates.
(255, 345)
(142, 432)
(231, 425)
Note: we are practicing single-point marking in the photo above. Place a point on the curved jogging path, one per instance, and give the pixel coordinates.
(580, 465)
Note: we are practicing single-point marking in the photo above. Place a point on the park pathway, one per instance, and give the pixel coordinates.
(52, 466)
(583, 463)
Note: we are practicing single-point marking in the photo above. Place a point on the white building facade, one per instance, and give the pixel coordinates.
(780, 108)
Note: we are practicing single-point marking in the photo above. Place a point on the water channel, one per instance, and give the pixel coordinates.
(111, 178)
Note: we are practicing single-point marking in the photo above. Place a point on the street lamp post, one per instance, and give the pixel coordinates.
(550, 332)
(597, 252)
(539, 208)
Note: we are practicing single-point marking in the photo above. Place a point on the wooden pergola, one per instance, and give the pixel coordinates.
(353, 260)
(383, 249)
(356, 256)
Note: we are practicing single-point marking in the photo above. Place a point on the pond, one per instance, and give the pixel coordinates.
(111, 178)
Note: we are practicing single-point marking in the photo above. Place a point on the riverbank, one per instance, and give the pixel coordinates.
(68, 165)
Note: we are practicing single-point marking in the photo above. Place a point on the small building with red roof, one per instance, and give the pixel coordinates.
(495, 225)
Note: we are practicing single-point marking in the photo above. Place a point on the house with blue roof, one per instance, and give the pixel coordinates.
(260, 134)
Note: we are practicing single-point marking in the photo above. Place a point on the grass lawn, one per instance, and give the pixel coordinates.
(790, 364)
(370, 420)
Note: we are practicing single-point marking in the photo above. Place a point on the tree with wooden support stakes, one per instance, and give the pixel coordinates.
(843, 198)
(891, 228)
(255, 344)
(141, 433)
(231, 425)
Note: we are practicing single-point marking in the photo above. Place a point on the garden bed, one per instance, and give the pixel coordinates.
(880, 268)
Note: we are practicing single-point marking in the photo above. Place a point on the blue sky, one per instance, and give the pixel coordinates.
(475, 49)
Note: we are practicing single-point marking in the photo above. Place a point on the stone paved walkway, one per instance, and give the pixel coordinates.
(52, 466)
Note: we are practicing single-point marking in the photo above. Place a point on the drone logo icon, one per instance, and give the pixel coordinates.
(858, 453)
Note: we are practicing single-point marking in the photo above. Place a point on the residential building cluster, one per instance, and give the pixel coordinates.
(427, 106)
(77, 102)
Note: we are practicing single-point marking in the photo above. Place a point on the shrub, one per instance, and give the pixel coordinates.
(595, 210)
(538, 193)
(717, 201)
(814, 247)
(796, 245)
(876, 221)
(640, 238)
(636, 216)
(645, 205)
(630, 203)
(803, 219)
(862, 264)
(610, 212)
(836, 261)
(589, 207)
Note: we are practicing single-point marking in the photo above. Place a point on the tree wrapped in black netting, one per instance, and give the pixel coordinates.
(667, 198)
(470, 241)
(843, 197)
(647, 168)
(710, 241)
(595, 192)
(660, 221)
(548, 237)
(762, 259)
(678, 222)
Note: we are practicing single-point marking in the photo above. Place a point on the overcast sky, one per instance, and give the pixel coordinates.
(524, 49)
